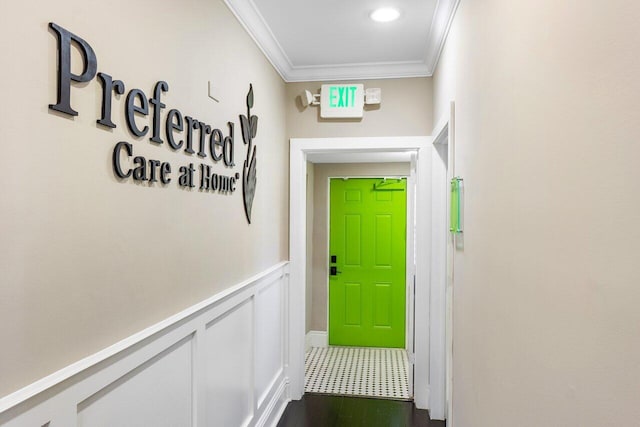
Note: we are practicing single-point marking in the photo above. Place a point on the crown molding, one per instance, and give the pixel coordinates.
(254, 23)
(251, 19)
(362, 71)
(442, 19)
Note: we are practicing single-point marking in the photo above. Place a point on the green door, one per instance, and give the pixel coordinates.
(367, 248)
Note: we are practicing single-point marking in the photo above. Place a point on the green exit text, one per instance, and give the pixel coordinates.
(342, 96)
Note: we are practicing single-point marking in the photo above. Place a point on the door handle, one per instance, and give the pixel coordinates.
(333, 270)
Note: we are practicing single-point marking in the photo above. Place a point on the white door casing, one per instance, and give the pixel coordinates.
(374, 149)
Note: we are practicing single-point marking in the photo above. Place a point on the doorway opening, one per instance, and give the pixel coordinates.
(418, 152)
(359, 298)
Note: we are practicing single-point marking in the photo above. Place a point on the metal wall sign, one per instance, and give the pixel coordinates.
(249, 125)
(180, 132)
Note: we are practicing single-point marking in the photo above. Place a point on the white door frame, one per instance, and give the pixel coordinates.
(443, 243)
(303, 150)
(439, 266)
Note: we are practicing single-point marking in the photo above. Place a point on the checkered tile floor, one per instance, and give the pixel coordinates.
(371, 372)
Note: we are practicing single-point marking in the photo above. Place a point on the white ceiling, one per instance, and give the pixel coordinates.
(336, 40)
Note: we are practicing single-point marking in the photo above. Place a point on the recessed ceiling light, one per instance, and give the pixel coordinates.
(385, 14)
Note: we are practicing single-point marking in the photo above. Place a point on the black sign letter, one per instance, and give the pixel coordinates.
(157, 106)
(90, 64)
(132, 108)
(107, 86)
(128, 148)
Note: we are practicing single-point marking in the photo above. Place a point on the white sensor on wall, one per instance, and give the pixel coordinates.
(373, 96)
(309, 98)
(213, 92)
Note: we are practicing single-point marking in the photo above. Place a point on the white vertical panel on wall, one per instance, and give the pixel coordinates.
(158, 393)
(218, 363)
(269, 343)
(228, 356)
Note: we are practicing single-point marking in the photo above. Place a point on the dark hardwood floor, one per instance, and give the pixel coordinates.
(317, 410)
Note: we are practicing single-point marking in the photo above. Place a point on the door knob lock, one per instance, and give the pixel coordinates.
(333, 270)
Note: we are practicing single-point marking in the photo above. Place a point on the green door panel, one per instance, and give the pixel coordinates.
(352, 304)
(367, 234)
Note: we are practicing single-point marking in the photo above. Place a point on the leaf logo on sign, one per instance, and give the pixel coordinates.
(249, 125)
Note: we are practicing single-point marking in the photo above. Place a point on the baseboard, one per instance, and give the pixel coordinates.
(275, 407)
(316, 339)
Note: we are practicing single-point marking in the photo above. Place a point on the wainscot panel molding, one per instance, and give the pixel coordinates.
(220, 362)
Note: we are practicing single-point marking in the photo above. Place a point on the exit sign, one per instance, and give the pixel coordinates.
(341, 101)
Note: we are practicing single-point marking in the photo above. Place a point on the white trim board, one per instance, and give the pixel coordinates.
(303, 151)
(439, 236)
(442, 263)
(235, 340)
(316, 339)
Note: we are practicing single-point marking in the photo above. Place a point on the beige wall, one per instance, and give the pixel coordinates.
(86, 260)
(320, 274)
(405, 111)
(546, 292)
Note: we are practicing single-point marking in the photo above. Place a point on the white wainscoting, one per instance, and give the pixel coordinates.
(221, 362)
